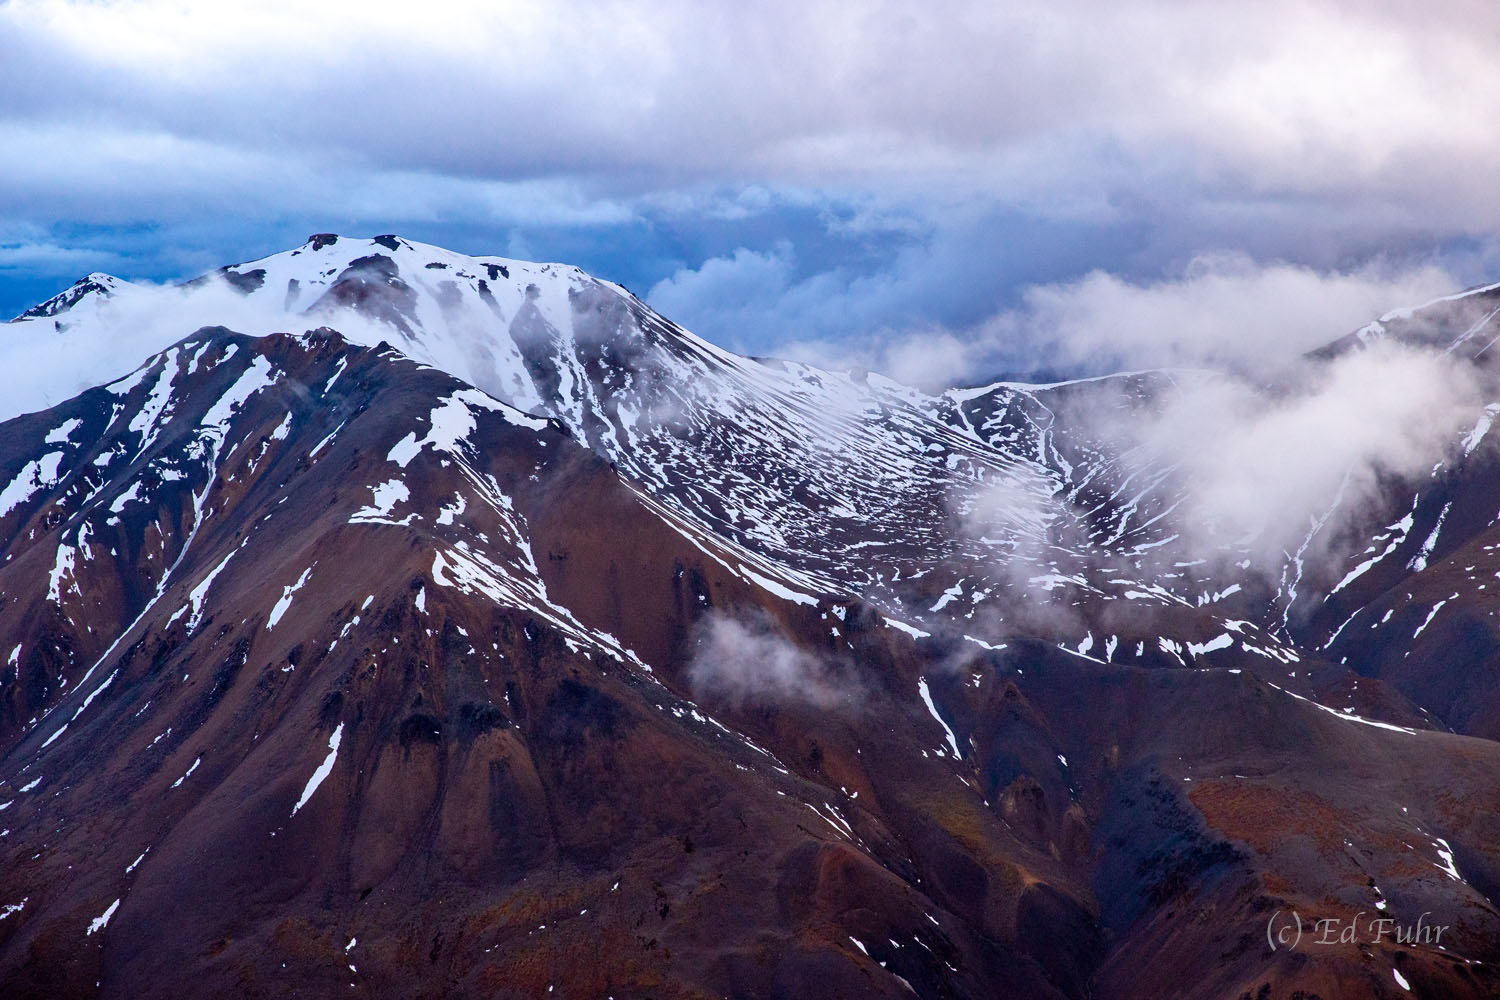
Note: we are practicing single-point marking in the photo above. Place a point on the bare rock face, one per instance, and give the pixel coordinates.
(552, 651)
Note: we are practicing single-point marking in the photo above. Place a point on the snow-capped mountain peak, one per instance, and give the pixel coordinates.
(96, 283)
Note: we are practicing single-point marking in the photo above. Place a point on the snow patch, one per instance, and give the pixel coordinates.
(35, 475)
(324, 769)
(386, 496)
(102, 920)
(932, 708)
(285, 601)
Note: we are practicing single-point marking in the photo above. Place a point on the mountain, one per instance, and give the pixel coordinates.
(415, 624)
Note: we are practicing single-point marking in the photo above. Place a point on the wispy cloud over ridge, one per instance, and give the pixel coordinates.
(1222, 311)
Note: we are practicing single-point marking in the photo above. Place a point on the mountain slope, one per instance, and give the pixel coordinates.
(271, 703)
(847, 483)
(325, 667)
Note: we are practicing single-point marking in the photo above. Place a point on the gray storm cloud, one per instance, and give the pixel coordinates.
(1313, 129)
(1284, 93)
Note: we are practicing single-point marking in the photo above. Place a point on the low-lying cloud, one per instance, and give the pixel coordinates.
(47, 361)
(1223, 311)
(1261, 468)
(752, 661)
(1263, 455)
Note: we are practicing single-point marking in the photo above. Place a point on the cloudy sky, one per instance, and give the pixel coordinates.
(939, 190)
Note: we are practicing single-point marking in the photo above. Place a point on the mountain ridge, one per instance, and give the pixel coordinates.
(364, 680)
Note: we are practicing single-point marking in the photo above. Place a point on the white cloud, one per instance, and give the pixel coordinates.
(45, 362)
(762, 300)
(1262, 466)
(746, 282)
(1222, 311)
(752, 660)
(46, 257)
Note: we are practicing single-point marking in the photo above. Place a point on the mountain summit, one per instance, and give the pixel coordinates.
(396, 622)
